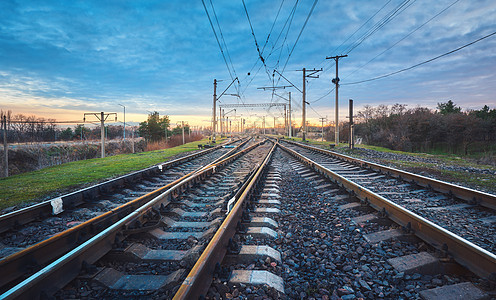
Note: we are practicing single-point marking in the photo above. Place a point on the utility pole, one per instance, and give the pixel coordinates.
(304, 98)
(290, 124)
(336, 82)
(303, 111)
(124, 133)
(5, 148)
(323, 120)
(220, 121)
(102, 117)
(263, 125)
(274, 125)
(213, 111)
(166, 127)
(215, 100)
(133, 139)
(352, 140)
(285, 121)
(182, 122)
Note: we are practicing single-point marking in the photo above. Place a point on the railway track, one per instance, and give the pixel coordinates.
(32, 237)
(111, 228)
(455, 208)
(322, 229)
(292, 221)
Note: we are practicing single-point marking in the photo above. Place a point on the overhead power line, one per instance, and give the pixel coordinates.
(349, 37)
(385, 20)
(403, 38)
(253, 33)
(217, 38)
(223, 40)
(299, 34)
(371, 17)
(424, 62)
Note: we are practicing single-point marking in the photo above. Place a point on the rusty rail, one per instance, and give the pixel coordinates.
(473, 257)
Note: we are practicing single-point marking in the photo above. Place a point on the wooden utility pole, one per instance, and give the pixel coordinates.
(124, 132)
(304, 97)
(352, 142)
(5, 148)
(166, 133)
(336, 82)
(289, 118)
(213, 111)
(263, 125)
(323, 120)
(102, 117)
(182, 122)
(133, 139)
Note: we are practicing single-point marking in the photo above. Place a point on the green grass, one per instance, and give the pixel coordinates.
(48, 182)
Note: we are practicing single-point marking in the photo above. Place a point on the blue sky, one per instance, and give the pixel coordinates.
(59, 59)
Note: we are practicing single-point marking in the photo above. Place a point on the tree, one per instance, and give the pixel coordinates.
(448, 108)
(179, 130)
(154, 128)
(66, 134)
(81, 129)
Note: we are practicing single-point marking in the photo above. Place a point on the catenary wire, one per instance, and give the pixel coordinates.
(406, 36)
(424, 62)
(217, 38)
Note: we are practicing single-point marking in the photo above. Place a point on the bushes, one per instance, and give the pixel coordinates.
(423, 129)
(38, 156)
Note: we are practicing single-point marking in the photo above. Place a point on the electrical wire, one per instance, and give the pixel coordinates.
(218, 43)
(349, 37)
(224, 42)
(424, 62)
(272, 27)
(322, 97)
(253, 33)
(379, 25)
(406, 36)
(299, 35)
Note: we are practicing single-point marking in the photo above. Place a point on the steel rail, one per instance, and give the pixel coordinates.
(200, 277)
(463, 193)
(473, 257)
(40, 254)
(66, 267)
(46, 208)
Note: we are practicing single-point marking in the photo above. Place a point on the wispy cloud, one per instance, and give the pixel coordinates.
(162, 55)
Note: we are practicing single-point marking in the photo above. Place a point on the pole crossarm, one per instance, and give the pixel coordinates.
(274, 87)
(99, 116)
(313, 72)
(288, 81)
(253, 105)
(228, 88)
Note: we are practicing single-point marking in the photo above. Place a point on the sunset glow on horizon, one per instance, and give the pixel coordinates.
(61, 60)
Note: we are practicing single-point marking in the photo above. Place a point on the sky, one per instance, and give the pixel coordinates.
(61, 59)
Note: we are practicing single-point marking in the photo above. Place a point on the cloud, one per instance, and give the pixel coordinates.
(162, 55)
